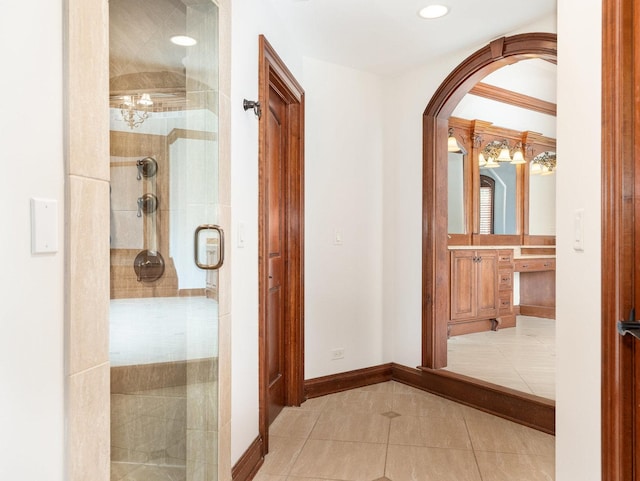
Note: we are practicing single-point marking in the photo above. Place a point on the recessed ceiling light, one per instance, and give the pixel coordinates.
(183, 40)
(433, 11)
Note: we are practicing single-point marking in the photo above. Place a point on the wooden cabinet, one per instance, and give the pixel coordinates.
(537, 286)
(481, 290)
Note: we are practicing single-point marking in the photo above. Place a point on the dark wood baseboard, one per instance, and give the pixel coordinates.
(538, 311)
(344, 381)
(526, 409)
(249, 463)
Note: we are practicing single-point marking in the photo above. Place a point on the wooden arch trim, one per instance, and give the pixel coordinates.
(435, 265)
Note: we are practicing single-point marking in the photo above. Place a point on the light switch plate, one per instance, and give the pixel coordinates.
(578, 230)
(337, 237)
(44, 226)
(241, 234)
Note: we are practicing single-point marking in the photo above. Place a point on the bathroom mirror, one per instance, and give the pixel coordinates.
(542, 205)
(456, 191)
(498, 202)
(523, 205)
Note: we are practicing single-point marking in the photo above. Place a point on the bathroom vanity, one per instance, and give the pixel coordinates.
(489, 286)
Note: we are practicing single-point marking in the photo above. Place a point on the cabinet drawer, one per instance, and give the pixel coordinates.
(505, 279)
(532, 265)
(505, 257)
(505, 304)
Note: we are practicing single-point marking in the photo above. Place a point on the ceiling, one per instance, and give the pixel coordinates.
(388, 37)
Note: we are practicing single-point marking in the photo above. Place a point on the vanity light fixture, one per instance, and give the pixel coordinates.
(499, 151)
(543, 164)
(493, 153)
(183, 40)
(453, 145)
(518, 156)
(504, 155)
(433, 11)
(134, 109)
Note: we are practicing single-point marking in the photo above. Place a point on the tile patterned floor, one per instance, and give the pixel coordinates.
(521, 357)
(392, 432)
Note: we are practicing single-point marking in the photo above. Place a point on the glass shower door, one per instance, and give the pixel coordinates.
(165, 247)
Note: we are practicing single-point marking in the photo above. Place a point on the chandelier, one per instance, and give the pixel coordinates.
(134, 109)
(543, 164)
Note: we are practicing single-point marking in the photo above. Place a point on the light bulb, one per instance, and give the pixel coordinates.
(518, 158)
(535, 168)
(504, 155)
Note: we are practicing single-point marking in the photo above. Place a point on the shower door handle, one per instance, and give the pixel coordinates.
(196, 247)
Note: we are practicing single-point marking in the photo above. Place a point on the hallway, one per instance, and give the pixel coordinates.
(394, 432)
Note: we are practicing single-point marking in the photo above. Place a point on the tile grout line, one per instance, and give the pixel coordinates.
(386, 454)
(473, 449)
(288, 473)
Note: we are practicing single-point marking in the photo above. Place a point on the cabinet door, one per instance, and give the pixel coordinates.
(463, 280)
(487, 282)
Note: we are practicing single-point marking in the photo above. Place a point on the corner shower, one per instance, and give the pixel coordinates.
(165, 244)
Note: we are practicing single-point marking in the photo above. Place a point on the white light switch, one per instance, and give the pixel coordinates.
(44, 226)
(337, 237)
(578, 230)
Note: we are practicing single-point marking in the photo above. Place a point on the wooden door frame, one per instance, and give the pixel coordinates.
(273, 73)
(619, 154)
(435, 254)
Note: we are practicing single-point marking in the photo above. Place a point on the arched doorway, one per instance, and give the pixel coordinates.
(435, 263)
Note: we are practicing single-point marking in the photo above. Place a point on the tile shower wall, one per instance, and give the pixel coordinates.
(86, 249)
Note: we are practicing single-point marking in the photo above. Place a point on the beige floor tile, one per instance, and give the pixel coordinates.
(510, 467)
(430, 439)
(363, 427)
(399, 388)
(296, 478)
(515, 358)
(545, 390)
(425, 404)
(340, 460)
(493, 434)
(413, 463)
(447, 432)
(315, 404)
(283, 453)
(388, 387)
(361, 401)
(294, 422)
(269, 477)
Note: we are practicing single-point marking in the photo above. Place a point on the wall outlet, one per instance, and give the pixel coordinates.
(337, 354)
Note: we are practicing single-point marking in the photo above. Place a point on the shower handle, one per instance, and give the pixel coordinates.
(196, 247)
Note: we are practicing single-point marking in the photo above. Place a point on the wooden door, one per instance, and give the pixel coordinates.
(463, 279)
(620, 239)
(487, 284)
(276, 245)
(281, 240)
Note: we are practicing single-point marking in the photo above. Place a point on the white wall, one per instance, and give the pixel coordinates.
(249, 19)
(31, 309)
(578, 274)
(343, 196)
(343, 183)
